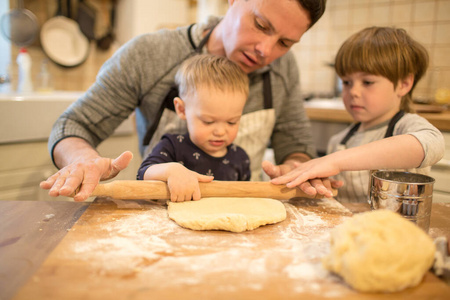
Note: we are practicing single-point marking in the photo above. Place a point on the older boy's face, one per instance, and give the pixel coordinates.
(256, 32)
(371, 99)
(212, 118)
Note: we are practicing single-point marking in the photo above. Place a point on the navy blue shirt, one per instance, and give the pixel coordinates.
(234, 166)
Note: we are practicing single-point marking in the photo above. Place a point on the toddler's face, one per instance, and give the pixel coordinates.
(370, 99)
(213, 118)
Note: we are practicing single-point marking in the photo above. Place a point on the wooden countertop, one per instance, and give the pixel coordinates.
(439, 119)
(130, 249)
(29, 231)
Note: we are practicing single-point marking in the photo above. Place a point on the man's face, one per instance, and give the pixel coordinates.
(254, 33)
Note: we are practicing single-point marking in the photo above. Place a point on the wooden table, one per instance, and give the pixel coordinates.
(29, 231)
(130, 250)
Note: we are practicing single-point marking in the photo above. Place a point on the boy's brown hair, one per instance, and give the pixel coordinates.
(384, 51)
(212, 71)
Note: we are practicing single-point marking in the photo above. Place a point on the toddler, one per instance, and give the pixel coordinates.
(213, 91)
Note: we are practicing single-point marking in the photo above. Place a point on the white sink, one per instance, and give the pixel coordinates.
(30, 116)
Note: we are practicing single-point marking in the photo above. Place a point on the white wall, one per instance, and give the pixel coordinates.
(428, 21)
(206, 8)
(135, 17)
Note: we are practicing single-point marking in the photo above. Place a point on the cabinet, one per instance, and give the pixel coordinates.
(24, 165)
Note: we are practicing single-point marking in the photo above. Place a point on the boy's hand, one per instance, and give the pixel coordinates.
(183, 186)
(310, 176)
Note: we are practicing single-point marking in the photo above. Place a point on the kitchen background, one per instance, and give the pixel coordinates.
(426, 20)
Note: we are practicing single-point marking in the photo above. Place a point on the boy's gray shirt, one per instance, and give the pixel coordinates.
(356, 183)
(140, 74)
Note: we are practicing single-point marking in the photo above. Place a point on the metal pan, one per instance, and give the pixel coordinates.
(20, 26)
(63, 42)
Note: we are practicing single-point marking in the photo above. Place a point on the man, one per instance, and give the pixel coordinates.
(255, 34)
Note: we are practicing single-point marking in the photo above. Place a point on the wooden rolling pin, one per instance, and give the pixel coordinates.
(152, 189)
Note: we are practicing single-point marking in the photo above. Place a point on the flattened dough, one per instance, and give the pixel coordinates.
(230, 214)
(380, 251)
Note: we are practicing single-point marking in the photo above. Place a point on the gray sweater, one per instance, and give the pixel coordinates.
(139, 75)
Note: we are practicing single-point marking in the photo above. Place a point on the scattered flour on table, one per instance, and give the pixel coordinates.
(306, 271)
(332, 204)
(147, 243)
(130, 240)
(49, 216)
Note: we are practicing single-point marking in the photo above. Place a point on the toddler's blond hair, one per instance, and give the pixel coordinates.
(212, 71)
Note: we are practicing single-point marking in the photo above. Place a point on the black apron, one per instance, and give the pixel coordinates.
(389, 131)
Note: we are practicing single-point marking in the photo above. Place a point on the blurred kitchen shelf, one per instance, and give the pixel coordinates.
(333, 111)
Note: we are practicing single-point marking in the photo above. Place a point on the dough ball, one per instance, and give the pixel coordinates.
(231, 214)
(380, 251)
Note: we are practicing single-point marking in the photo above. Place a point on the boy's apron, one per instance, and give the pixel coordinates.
(255, 128)
(389, 130)
(358, 178)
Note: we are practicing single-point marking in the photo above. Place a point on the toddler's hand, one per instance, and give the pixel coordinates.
(184, 186)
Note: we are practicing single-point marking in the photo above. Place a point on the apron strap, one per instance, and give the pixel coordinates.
(394, 120)
(350, 133)
(389, 131)
(203, 41)
(191, 40)
(166, 104)
(267, 90)
(173, 92)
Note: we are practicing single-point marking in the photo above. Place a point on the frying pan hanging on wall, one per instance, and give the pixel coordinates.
(62, 40)
(88, 18)
(19, 25)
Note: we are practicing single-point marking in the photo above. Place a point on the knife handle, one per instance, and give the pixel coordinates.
(153, 189)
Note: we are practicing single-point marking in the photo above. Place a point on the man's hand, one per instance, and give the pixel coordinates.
(310, 176)
(85, 174)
